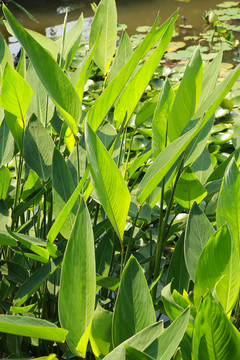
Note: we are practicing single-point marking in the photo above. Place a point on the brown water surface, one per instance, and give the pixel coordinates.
(50, 13)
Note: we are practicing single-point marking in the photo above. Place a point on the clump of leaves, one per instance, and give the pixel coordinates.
(119, 197)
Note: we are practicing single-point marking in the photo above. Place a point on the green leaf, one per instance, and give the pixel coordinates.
(105, 101)
(198, 232)
(159, 122)
(210, 77)
(124, 52)
(134, 354)
(189, 189)
(13, 271)
(108, 182)
(71, 43)
(165, 160)
(38, 148)
(62, 217)
(5, 217)
(177, 271)
(218, 269)
(55, 81)
(5, 178)
(22, 9)
(103, 255)
(202, 166)
(78, 280)
(33, 283)
(105, 18)
(5, 53)
(63, 187)
(100, 336)
(15, 93)
(214, 336)
(28, 326)
(167, 343)
(40, 104)
(133, 91)
(108, 282)
(229, 202)
(6, 144)
(140, 341)
(175, 304)
(133, 296)
(187, 97)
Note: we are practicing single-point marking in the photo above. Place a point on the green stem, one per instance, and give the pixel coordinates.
(163, 231)
(128, 155)
(129, 247)
(96, 215)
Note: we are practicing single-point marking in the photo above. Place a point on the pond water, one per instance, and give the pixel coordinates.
(130, 12)
(50, 14)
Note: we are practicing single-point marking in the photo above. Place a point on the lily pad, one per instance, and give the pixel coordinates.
(228, 4)
(174, 46)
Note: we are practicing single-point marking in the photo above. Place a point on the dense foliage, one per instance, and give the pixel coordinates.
(120, 195)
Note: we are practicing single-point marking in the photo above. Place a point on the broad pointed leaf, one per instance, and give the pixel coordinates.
(78, 280)
(133, 297)
(218, 269)
(198, 232)
(105, 17)
(55, 81)
(108, 182)
(214, 336)
(38, 148)
(31, 327)
(228, 207)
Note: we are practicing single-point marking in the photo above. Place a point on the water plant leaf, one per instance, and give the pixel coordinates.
(78, 280)
(187, 97)
(108, 182)
(63, 187)
(177, 271)
(40, 104)
(202, 166)
(124, 52)
(5, 53)
(15, 98)
(105, 17)
(55, 81)
(198, 232)
(228, 202)
(214, 336)
(15, 93)
(166, 344)
(38, 148)
(105, 101)
(166, 158)
(160, 118)
(132, 353)
(33, 283)
(72, 40)
(6, 144)
(217, 269)
(60, 220)
(140, 341)
(175, 304)
(132, 93)
(32, 327)
(210, 77)
(133, 296)
(5, 178)
(101, 335)
(189, 189)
